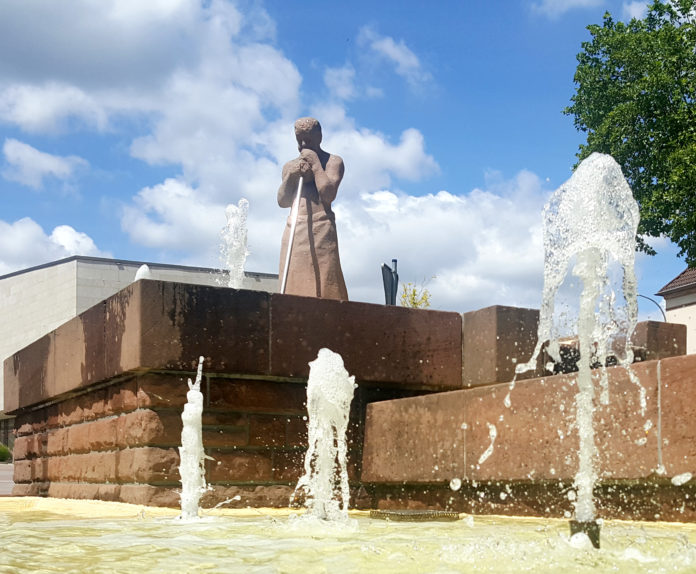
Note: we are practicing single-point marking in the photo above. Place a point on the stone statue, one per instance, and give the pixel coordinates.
(315, 267)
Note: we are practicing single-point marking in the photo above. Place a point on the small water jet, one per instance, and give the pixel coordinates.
(590, 221)
(233, 250)
(325, 481)
(191, 453)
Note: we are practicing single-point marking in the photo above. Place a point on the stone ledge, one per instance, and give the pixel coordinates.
(155, 326)
(447, 435)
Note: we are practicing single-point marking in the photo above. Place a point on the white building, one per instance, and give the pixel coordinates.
(35, 301)
(680, 304)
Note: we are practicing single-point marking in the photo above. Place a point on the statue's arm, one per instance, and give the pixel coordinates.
(288, 187)
(326, 179)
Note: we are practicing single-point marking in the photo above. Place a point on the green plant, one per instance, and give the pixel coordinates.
(415, 296)
(5, 453)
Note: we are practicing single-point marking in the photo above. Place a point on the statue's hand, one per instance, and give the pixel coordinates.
(310, 157)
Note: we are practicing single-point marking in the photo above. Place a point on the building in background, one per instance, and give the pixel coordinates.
(36, 301)
(680, 304)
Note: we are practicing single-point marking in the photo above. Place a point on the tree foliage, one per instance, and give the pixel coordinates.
(414, 296)
(635, 99)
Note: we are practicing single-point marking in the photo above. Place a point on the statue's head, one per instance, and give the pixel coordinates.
(308, 134)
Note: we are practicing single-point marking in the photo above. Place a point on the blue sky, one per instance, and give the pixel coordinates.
(126, 127)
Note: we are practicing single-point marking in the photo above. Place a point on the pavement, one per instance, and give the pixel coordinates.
(6, 484)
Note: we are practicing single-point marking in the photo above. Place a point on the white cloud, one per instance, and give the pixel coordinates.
(216, 100)
(29, 166)
(341, 82)
(24, 243)
(170, 216)
(636, 10)
(556, 8)
(47, 107)
(398, 54)
(483, 248)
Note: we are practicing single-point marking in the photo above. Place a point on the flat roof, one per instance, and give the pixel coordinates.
(128, 262)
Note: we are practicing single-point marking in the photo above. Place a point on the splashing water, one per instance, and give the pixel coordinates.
(233, 251)
(325, 481)
(143, 272)
(589, 223)
(191, 467)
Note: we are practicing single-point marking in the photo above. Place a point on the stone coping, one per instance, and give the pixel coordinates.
(157, 325)
(472, 435)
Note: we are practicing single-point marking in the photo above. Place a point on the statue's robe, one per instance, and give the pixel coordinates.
(315, 266)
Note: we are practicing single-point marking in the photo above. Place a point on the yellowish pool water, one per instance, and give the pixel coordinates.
(51, 535)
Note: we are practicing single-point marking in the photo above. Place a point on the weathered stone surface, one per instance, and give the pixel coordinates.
(145, 427)
(154, 324)
(149, 495)
(30, 489)
(288, 465)
(258, 396)
(378, 343)
(678, 400)
(239, 467)
(659, 339)
(26, 373)
(160, 390)
(296, 431)
(148, 465)
(267, 430)
(84, 491)
(246, 496)
(494, 341)
(418, 439)
(535, 438)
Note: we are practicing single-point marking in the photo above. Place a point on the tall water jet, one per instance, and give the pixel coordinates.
(589, 223)
(325, 481)
(233, 250)
(191, 453)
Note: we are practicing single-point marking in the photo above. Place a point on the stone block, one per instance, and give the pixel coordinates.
(122, 397)
(97, 467)
(212, 418)
(25, 374)
(225, 436)
(148, 495)
(296, 431)
(494, 341)
(160, 325)
(149, 465)
(23, 471)
(102, 434)
(659, 339)
(71, 411)
(267, 430)
(146, 427)
(380, 344)
(417, 439)
(240, 466)
(29, 489)
(473, 434)
(63, 360)
(159, 390)
(258, 396)
(678, 422)
(270, 496)
(57, 442)
(30, 446)
(288, 465)
(84, 491)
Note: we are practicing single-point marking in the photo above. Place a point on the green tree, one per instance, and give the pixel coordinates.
(635, 99)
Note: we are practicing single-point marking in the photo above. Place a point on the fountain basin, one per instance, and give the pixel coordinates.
(113, 537)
